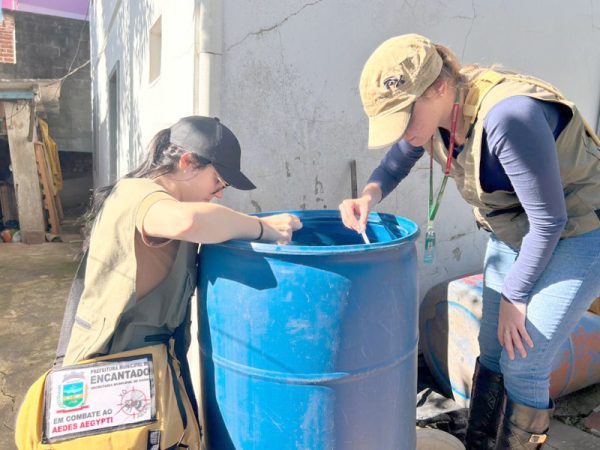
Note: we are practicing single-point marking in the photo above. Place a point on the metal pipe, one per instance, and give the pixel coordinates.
(208, 45)
(353, 183)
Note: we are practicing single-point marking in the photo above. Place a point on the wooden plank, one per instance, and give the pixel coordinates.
(44, 183)
(31, 120)
(26, 180)
(8, 202)
(53, 185)
(565, 437)
(47, 190)
(59, 208)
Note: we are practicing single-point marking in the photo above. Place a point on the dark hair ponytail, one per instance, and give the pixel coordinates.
(162, 158)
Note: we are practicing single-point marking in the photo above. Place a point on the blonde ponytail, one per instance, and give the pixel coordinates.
(455, 72)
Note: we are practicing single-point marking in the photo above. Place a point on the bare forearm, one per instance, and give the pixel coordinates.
(199, 222)
(216, 223)
(373, 193)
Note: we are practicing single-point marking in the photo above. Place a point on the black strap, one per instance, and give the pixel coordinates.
(158, 339)
(176, 446)
(70, 311)
(177, 391)
(165, 339)
(515, 209)
(182, 338)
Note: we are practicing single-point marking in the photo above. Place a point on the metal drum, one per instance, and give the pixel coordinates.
(450, 320)
(311, 345)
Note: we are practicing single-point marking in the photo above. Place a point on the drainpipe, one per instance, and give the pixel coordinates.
(208, 50)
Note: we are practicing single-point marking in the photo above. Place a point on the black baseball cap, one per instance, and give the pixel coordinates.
(213, 141)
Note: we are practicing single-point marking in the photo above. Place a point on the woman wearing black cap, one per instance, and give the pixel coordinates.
(524, 158)
(141, 262)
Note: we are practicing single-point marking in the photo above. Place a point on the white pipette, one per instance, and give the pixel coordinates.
(365, 237)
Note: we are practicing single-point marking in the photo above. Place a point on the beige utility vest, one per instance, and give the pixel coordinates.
(578, 155)
(110, 318)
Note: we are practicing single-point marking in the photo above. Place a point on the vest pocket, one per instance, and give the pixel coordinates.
(509, 226)
(83, 323)
(591, 147)
(84, 339)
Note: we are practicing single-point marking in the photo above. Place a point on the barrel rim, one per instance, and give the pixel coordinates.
(406, 225)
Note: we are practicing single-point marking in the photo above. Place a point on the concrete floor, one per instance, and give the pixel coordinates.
(34, 282)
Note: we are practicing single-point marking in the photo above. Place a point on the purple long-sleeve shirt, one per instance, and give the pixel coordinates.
(518, 155)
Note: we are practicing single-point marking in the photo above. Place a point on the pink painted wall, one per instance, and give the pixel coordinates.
(74, 9)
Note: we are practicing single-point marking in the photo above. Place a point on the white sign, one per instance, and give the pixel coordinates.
(93, 398)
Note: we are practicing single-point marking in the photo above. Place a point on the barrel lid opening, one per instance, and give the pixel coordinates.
(323, 232)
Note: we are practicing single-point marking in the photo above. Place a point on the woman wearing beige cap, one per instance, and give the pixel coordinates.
(527, 162)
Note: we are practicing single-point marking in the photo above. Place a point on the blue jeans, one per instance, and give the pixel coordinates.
(561, 296)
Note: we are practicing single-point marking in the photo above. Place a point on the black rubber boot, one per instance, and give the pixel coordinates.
(523, 427)
(487, 395)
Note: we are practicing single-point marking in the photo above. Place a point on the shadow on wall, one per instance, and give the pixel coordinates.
(132, 28)
(138, 48)
(77, 175)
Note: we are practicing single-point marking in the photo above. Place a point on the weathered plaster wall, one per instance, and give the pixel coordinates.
(290, 72)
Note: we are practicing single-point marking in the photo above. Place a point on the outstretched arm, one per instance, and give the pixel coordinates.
(208, 223)
(392, 169)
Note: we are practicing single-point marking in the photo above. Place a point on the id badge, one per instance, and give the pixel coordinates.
(429, 253)
(98, 397)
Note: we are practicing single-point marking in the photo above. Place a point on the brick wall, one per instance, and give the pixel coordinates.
(46, 48)
(7, 40)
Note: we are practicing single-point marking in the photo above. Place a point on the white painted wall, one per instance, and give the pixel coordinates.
(290, 72)
(120, 33)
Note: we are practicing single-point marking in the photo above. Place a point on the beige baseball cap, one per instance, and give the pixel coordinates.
(394, 76)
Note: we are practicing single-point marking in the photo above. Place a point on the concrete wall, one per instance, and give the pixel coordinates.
(48, 47)
(289, 89)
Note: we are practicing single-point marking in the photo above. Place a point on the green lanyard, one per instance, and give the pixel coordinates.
(432, 209)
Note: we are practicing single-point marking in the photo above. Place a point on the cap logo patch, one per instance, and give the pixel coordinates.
(393, 82)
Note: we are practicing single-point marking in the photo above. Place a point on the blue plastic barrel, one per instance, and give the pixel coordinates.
(311, 345)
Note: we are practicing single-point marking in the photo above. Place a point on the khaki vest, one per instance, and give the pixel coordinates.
(578, 154)
(110, 318)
